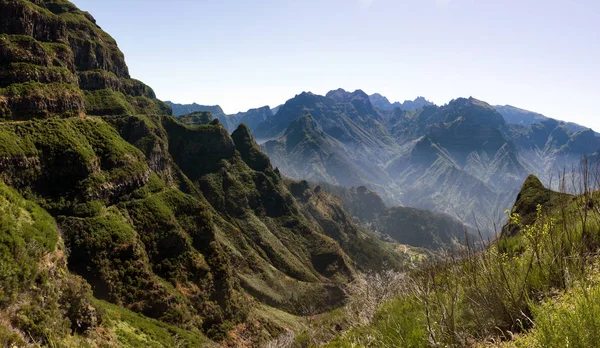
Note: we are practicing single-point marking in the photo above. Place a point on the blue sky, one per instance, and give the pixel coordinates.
(539, 55)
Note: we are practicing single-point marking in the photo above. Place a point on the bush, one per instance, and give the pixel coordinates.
(572, 320)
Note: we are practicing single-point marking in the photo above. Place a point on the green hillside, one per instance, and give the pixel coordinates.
(536, 285)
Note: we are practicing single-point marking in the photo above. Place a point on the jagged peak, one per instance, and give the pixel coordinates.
(533, 194)
(249, 149)
(532, 183)
(475, 111)
(242, 132)
(341, 95)
(305, 124)
(470, 101)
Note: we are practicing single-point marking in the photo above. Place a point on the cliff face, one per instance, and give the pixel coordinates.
(55, 60)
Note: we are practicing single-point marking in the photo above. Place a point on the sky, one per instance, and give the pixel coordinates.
(543, 56)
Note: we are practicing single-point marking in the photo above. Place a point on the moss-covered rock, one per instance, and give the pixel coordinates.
(33, 99)
(45, 43)
(532, 194)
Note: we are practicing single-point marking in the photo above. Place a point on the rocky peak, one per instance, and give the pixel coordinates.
(532, 194)
(249, 149)
(473, 111)
(383, 103)
(342, 96)
(184, 109)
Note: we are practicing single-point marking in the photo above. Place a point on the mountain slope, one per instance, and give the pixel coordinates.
(186, 225)
(514, 115)
(57, 62)
(306, 151)
(405, 225)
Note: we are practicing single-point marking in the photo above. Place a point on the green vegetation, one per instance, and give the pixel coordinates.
(87, 154)
(26, 49)
(26, 233)
(133, 330)
(249, 149)
(26, 72)
(33, 99)
(398, 323)
(39, 300)
(196, 118)
(109, 102)
(509, 288)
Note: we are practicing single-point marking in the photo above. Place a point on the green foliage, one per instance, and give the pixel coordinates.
(26, 72)
(571, 320)
(532, 195)
(27, 100)
(46, 303)
(109, 102)
(10, 338)
(399, 323)
(25, 49)
(71, 161)
(135, 330)
(26, 233)
(510, 287)
(196, 118)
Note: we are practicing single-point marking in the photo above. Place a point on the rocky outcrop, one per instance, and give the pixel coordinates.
(53, 42)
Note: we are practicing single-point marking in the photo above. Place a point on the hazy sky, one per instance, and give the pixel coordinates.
(539, 55)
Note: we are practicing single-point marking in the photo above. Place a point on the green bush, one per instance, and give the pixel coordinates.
(399, 323)
(26, 233)
(572, 320)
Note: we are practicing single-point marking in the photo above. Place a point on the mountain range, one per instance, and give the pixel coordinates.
(466, 158)
(463, 158)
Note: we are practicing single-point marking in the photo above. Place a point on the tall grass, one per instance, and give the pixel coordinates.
(470, 296)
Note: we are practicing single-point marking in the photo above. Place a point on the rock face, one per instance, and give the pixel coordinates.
(55, 60)
(184, 109)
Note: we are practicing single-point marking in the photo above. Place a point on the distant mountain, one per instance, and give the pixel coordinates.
(463, 159)
(252, 118)
(306, 151)
(275, 109)
(416, 227)
(184, 109)
(383, 103)
(339, 138)
(514, 115)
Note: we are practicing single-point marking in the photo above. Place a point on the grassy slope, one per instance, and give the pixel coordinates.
(541, 280)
